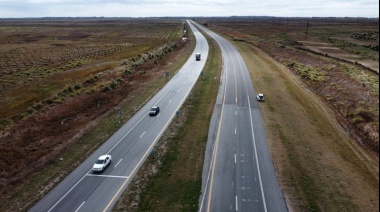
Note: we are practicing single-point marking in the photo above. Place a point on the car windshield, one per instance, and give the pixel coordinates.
(99, 161)
(153, 109)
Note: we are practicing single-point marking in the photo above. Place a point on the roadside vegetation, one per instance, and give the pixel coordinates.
(74, 111)
(349, 88)
(172, 179)
(320, 115)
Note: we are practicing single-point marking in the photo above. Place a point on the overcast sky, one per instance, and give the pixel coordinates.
(149, 8)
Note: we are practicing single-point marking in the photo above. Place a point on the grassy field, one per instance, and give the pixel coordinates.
(350, 89)
(171, 181)
(319, 166)
(309, 98)
(45, 56)
(81, 115)
(321, 114)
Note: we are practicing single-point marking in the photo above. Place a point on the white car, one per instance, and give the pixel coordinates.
(102, 162)
(260, 97)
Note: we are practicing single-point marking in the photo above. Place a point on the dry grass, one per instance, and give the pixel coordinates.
(348, 88)
(38, 58)
(75, 121)
(319, 167)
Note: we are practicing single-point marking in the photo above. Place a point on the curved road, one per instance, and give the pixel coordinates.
(238, 173)
(82, 190)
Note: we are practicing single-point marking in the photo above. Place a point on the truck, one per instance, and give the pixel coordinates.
(197, 56)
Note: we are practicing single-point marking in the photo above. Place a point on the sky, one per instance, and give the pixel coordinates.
(189, 8)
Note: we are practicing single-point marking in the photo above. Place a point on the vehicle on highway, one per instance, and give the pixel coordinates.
(260, 97)
(102, 163)
(154, 111)
(197, 56)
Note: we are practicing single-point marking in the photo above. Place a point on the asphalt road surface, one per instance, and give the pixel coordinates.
(83, 190)
(238, 173)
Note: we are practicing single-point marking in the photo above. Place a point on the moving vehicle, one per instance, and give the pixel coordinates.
(154, 111)
(102, 163)
(260, 97)
(197, 56)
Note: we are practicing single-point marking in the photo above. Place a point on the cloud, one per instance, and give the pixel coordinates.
(146, 8)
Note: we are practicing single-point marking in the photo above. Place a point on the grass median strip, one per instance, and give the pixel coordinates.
(171, 179)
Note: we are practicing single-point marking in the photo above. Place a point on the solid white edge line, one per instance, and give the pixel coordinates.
(253, 136)
(80, 206)
(67, 193)
(254, 144)
(118, 162)
(257, 159)
(254, 141)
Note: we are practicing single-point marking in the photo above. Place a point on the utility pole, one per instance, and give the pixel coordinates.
(307, 29)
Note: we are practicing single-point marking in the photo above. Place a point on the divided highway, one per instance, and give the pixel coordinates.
(82, 190)
(238, 173)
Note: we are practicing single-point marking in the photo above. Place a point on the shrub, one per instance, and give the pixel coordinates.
(38, 106)
(77, 86)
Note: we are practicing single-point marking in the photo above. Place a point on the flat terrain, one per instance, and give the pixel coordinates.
(321, 113)
(62, 94)
(55, 116)
(171, 180)
(350, 89)
(321, 165)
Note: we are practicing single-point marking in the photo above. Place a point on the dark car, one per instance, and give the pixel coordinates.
(154, 111)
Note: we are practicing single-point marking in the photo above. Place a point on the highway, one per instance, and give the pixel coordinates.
(238, 173)
(82, 190)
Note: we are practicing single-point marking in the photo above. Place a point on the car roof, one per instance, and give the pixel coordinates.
(103, 157)
(260, 94)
